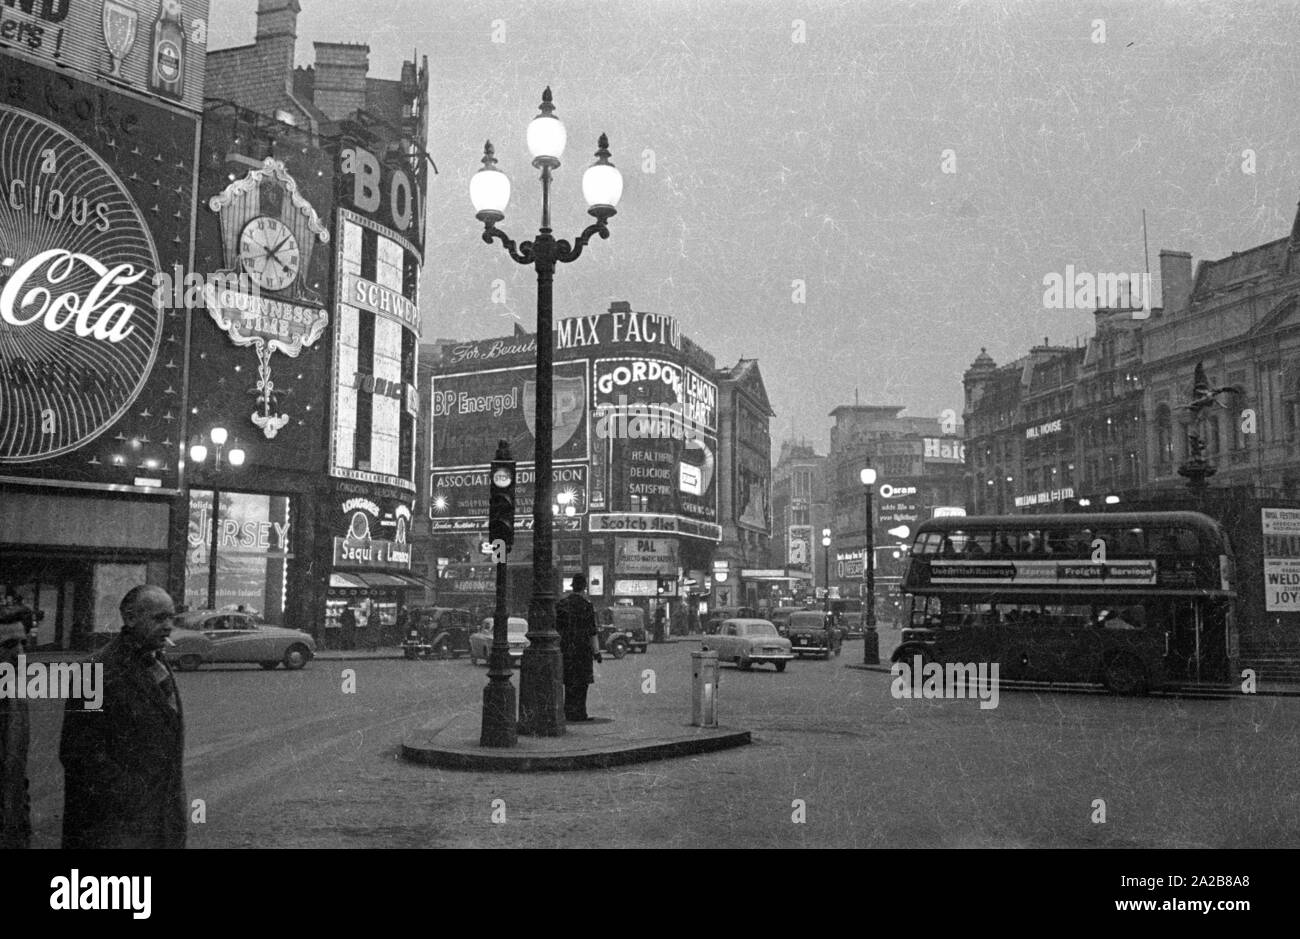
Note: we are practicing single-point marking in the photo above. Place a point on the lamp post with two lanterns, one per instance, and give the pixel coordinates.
(235, 457)
(541, 687)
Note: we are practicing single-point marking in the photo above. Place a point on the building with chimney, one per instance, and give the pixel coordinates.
(312, 190)
(745, 495)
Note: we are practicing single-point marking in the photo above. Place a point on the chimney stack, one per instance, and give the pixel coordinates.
(620, 306)
(277, 32)
(1175, 282)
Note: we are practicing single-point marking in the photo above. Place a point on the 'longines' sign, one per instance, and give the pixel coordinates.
(78, 327)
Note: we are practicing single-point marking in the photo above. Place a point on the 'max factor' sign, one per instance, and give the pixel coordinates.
(601, 331)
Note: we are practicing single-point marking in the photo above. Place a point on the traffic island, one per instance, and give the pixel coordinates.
(452, 743)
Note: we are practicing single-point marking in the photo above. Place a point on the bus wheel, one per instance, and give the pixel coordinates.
(1124, 675)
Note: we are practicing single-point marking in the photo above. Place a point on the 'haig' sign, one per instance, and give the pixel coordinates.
(78, 325)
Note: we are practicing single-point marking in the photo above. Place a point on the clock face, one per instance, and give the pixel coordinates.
(268, 252)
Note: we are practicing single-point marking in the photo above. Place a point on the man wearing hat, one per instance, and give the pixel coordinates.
(575, 621)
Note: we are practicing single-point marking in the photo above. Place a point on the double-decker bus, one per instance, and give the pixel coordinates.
(1132, 600)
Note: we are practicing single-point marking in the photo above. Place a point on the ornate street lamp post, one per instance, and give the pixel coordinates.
(870, 641)
(541, 687)
(235, 458)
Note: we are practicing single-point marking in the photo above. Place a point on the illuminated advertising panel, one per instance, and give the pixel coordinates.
(459, 499)
(386, 192)
(658, 417)
(376, 335)
(152, 47)
(253, 551)
(372, 534)
(472, 411)
(260, 331)
(97, 200)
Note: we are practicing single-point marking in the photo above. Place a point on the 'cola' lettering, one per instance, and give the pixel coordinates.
(97, 314)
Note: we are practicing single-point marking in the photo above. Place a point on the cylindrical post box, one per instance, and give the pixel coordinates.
(704, 689)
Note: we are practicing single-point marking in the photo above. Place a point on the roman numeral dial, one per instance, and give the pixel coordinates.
(268, 253)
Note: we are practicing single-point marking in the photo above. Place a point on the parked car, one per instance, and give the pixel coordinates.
(723, 613)
(480, 643)
(780, 617)
(622, 630)
(749, 641)
(812, 632)
(437, 631)
(211, 636)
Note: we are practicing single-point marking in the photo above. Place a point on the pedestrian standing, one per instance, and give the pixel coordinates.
(124, 785)
(374, 627)
(15, 736)
(660, 621)
(348, 624)
(575, 621)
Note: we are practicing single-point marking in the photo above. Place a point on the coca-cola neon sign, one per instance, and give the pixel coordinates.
(79, 331)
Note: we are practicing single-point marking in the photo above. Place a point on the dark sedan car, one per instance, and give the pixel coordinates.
(437, 631)
(812, 632)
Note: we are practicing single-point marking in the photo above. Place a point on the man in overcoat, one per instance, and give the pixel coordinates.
(575, 621)
(124, 785)
(15, 737)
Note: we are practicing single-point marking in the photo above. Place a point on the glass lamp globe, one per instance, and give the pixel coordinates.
(546, 134)
(868, 476)
(237, 455)
(602, 183)
(489, 188)
(219, 436)
(198, 452)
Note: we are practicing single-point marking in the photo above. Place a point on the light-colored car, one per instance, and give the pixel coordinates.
(749, 641)
(218, 636)
(480, 643)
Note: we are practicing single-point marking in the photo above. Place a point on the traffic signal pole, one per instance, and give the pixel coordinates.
(500, 725)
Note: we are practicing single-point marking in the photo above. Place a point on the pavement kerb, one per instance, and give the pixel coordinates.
(421, 746)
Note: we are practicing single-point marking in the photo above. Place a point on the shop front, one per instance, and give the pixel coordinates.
(369, 571)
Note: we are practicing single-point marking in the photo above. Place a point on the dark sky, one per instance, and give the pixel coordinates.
(820, 161)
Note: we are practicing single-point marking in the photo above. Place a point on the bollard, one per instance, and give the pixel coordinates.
(704, 689)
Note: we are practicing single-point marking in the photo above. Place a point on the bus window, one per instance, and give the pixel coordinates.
(978, 544)
(927, 543)
(1003, 544)
(1060, 541)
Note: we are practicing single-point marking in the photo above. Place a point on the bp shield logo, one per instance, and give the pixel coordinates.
(568, 408)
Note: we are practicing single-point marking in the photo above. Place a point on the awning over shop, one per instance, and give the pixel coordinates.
(374, 579)
(347, 582)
